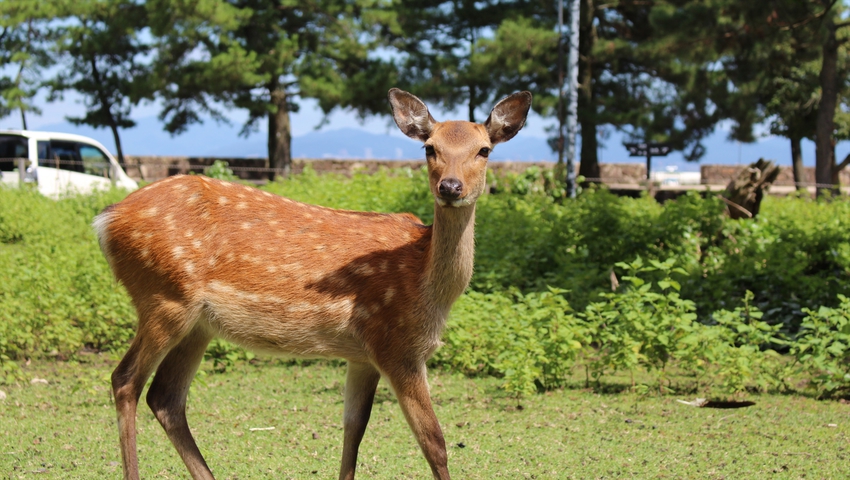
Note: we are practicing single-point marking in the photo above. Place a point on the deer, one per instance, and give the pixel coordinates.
(204, 258)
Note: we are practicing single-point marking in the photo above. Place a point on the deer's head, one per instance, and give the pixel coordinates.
(457, 151)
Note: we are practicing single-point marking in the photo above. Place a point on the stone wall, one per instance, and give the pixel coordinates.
(723, 174)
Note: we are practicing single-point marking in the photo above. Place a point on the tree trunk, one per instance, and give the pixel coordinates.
(280, 136)
(589, 166)
(18, 81)
(117, 137)
(472, 93)
(106, 106)
(824, 157)
(797, 164)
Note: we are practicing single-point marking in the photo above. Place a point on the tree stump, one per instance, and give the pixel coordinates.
(744, 193)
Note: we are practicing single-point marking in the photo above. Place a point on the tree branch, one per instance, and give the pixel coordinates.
(816, 16)
(734, 205)
(843, 163)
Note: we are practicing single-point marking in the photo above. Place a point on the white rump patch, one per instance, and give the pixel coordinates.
(101, 229)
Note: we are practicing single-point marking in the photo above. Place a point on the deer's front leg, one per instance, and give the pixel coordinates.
(360, 384)
(411, 388)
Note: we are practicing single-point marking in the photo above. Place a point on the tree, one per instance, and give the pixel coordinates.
(197, 61)
(441, 44)
(785, 60)
(521, 55)
(791, 110)
(632, 78)
(767, 65)
(263, 55)
(105, 57)
(834, 38)
(24, 42)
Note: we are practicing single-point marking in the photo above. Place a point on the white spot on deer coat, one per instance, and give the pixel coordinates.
(149, 212)
(363, 269)
(388, 295)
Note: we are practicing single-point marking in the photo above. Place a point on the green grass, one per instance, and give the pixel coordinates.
(66, 429)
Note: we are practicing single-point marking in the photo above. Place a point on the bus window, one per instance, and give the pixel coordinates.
(12, 147)
(64, 156)
(95, 162)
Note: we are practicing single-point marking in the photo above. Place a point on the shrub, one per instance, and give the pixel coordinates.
(58, 293)
(641, 327)
(532, 341)
(822, 348)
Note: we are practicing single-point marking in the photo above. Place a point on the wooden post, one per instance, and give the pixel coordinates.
(22, 171)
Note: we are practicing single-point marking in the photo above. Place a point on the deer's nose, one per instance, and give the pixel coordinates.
(450, 188)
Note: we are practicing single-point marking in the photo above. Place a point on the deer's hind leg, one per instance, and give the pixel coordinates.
(168, 392)
(161, 326)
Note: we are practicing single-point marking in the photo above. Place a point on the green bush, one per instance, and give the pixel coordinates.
(220, 170)
(532, 340)
(643, 325)
(401, 190)
(58, 293)
(822, 348)
(796, 255)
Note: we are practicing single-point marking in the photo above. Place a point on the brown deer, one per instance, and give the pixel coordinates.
(202, 258)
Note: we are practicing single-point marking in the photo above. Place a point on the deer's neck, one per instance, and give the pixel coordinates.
(451, 256)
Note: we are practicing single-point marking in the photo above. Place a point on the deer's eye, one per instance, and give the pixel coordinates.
(484, 152)
(429, 151)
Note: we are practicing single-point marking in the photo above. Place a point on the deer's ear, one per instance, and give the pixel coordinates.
(411, 115)
(508, 117)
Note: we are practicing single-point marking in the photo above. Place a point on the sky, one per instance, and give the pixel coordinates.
(149, 136)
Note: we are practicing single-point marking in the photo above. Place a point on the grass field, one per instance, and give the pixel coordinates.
(66, 429)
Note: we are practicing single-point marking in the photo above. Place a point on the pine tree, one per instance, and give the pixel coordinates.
(264, 55)
(441, 43)
(103, 52)
(632, 79)
(25, 38)
(834, 34)
(778, 58)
